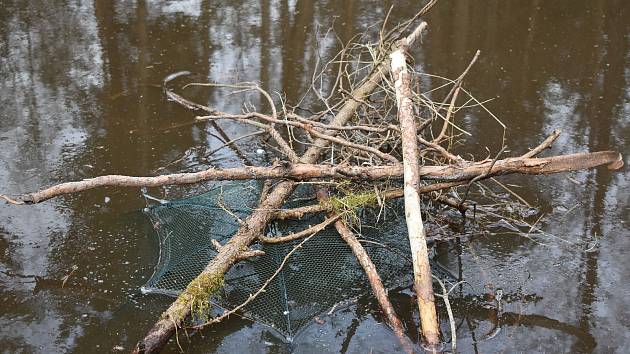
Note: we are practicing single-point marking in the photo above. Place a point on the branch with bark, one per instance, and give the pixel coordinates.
(304, 171)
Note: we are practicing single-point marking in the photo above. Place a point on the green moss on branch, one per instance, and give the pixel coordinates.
(196, 297)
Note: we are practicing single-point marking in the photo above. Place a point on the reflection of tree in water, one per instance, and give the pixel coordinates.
(295, 36)
(607, 94)
(472, 310)
(47, 110)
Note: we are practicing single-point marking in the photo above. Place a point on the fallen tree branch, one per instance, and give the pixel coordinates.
(370, 270)
(269, 128)
(263, 287)
(308, 128)
(464, 172)
(298, 235)
(544, 145)
(299, 212)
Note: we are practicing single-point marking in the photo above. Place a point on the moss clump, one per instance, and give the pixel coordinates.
(351, 202)
(196, 297)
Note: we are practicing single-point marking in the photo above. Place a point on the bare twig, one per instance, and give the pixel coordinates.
(449, 311)
(298, 235)
(544, 145)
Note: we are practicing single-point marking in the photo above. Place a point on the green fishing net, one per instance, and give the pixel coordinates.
(317, 277)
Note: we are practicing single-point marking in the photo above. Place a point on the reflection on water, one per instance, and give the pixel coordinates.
(80, 96)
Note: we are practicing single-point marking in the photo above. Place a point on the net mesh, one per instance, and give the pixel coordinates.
(316, 277)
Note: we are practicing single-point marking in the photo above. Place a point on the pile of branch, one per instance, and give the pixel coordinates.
(355, 140)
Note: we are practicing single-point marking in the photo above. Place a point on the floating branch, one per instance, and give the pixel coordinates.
(254, 225)
(301, 172)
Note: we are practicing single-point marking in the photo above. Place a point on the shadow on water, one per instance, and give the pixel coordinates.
(81, 96)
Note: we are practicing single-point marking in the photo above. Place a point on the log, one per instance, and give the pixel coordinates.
(211, 278)
(423, 282)
(306, 171)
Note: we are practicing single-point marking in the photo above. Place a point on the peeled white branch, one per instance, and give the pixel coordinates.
(423, 284)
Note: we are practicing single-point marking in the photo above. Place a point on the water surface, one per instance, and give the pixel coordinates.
(80, 96)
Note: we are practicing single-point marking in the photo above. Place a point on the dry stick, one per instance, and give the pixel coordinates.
(211, 278)
(441, 150)
(423, 283)
(449, 112)
(299, 212)
(430, 144)
(369, 128)
(458, 81)
(282, 144)
(370, 270)
(544, 145)
(226, 138)
(449, 311)
(298, 235)
(453, 173)
(454, 92)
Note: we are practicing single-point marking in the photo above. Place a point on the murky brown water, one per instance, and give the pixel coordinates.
(80, 97)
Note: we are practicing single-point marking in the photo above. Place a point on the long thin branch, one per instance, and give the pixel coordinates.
(447, 119)
(441, 150)
(298, 235)
(370, 270)
(305, 126)
(465, 172)
(369, 128)
(284, 146)
(544, 145)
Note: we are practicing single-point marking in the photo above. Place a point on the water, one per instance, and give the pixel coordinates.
(80, 96)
